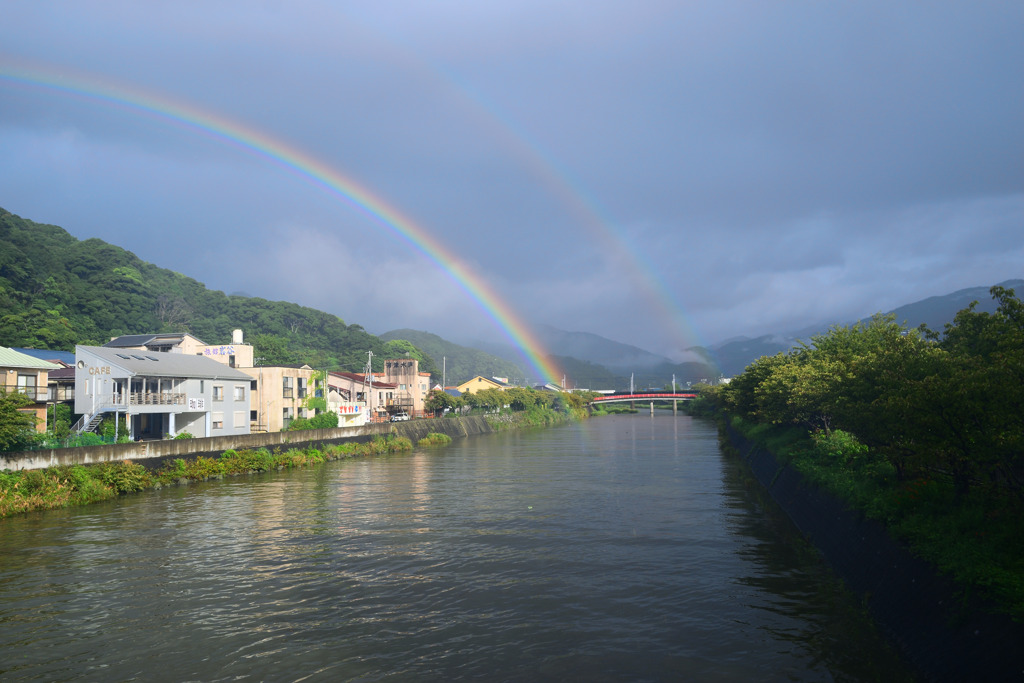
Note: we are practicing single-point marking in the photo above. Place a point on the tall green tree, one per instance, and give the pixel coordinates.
(16, 427)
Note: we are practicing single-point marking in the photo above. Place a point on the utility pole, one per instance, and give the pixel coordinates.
(444, 372)
(675, 403)
(369, 381)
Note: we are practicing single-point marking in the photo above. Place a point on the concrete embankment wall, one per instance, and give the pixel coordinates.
(190, 448)
(947, 636)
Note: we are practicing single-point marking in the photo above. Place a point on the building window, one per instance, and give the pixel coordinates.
(302, 387)
(218, 420)
(27, 385)
(286, 417)
(302, 412)
(239, 392)
(239, 419)
(231, 361)
(218, 392)
(289, 387)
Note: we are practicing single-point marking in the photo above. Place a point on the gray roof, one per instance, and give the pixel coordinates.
(9, 358)
(155, 364)
(130, 340)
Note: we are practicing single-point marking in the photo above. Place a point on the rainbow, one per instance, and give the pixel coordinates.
(633, 264)
(312, 170)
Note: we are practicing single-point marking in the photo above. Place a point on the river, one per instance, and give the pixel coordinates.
(622, 548)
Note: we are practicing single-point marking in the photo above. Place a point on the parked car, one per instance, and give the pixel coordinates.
(400, 417)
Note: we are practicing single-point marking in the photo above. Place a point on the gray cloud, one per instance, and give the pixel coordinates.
(763, 166)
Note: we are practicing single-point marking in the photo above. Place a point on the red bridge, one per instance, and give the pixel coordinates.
(619, 398)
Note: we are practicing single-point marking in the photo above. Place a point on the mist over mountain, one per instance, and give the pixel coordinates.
(934, 312)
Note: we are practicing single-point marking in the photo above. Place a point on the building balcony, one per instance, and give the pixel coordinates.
(37, 394)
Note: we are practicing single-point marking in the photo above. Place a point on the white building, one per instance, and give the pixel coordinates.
(162, 394)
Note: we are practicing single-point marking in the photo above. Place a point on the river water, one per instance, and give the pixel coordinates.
(623, 548)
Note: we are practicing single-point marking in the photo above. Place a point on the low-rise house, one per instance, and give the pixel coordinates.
(480, 383)
(351, 387)
(61, 386)
(162, 394)
(60, 382)
(29, 376)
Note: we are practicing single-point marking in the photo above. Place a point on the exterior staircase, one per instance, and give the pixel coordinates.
(87, 423)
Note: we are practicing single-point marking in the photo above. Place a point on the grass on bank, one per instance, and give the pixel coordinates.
(534, 416)
(64, 486)
(978, 539)
(68, 485)
(434, 439)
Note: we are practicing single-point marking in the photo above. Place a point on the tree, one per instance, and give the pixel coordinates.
(437, 401)
(520, 398)
(271, 349)
(16, 427)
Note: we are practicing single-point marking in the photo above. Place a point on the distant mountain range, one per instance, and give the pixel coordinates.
(935, 312)
(591, 361)
(55, 292)
(598, 362)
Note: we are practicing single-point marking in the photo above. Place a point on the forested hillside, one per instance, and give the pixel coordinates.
(57, 291)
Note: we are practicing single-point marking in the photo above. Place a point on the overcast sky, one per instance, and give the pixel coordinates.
(661, 173)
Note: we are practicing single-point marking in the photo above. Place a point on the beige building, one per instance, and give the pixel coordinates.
(279, 394)
(26, 375)
(411, 385)
(236, 354)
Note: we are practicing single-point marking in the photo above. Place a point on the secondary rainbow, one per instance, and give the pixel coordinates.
(314, 171)
(633, 264)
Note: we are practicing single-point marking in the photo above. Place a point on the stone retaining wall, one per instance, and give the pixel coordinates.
(947, 636)
(415, 430)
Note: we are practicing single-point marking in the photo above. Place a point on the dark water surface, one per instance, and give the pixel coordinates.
(620, 549)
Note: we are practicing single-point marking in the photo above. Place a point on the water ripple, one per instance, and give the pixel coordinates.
(618, 549)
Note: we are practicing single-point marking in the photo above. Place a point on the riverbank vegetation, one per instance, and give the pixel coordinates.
(515, 405)
(920, 431)
(434, 439)
(65, 486)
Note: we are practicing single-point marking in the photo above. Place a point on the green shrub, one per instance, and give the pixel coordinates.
(324, 421)
(184, 435)
(85, 439)
(125, 477)
(298, 424)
